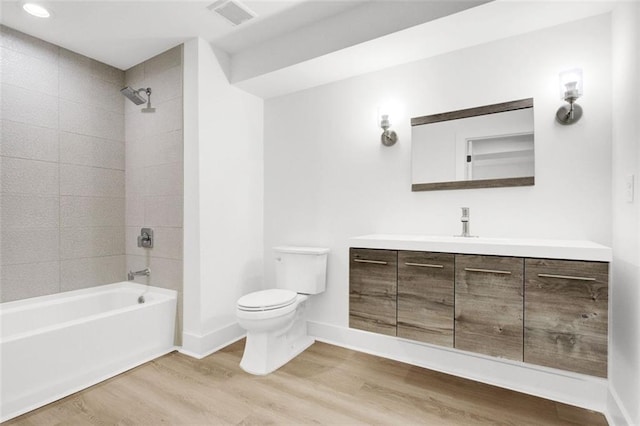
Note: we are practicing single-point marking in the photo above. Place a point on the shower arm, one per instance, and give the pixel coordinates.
(147, 91)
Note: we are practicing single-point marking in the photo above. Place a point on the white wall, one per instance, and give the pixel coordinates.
(328, 178)
(223, 199)
(624, 357)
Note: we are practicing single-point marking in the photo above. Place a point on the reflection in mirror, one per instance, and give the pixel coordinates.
(497, 157)
(482, 147)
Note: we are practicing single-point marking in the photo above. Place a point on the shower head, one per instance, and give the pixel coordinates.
(134, 95)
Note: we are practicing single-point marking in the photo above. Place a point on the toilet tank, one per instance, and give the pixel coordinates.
(301, 269)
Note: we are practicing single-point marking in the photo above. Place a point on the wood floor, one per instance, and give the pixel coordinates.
(324, 385)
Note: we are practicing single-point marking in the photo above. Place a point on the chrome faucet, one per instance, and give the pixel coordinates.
(465, 223)
(145, 272)
(145, 239)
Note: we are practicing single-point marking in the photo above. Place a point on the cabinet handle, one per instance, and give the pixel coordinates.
(488, 271)
(566, 277)
(377, 262)
(424, 265)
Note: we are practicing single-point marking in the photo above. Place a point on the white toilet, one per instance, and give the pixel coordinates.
(275, 319)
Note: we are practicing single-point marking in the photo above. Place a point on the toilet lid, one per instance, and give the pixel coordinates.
(266, 300)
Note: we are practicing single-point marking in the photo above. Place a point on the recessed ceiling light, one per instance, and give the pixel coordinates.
(36, 10)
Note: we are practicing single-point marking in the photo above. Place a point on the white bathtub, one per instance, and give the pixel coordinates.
(53, 346)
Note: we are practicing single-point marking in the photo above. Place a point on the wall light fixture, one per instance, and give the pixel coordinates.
(388, 137)
(571, 89)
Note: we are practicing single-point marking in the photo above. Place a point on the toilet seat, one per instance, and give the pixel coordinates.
(267, 300)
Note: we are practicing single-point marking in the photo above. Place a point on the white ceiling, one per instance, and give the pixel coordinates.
(125, 33)
(291, 44)
(482, 24)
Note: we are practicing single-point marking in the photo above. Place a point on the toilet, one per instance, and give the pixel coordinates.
(275, 319)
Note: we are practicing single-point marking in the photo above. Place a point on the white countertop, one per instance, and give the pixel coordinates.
(550, 249)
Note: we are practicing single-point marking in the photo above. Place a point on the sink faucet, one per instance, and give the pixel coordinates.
(465, 223)
(145, 272)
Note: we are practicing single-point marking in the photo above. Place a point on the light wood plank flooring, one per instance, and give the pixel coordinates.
(326, 385)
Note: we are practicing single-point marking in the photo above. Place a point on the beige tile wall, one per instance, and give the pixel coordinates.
(82, 170)
(154, 172)
(62, 162)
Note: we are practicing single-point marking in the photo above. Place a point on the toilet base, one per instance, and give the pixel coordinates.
(266, 351)
(257, 360)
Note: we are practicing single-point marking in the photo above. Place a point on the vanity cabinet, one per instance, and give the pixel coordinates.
(373, 289)
(489, 304)
(514, 304)
(426, 296)
(565, 323)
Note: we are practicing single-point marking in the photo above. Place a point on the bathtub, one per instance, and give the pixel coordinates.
(52, 346)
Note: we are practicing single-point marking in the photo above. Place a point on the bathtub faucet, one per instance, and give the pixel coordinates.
(145, 272)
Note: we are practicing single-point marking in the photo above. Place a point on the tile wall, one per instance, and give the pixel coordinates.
(62, 170)
(154, 172)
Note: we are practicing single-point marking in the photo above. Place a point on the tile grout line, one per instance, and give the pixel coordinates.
(71, 164)
(59, 182)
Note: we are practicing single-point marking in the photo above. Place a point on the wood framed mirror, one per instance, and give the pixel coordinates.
(484, 147)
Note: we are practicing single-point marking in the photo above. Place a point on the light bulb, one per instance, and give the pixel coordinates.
(571, 84)
(384, 121)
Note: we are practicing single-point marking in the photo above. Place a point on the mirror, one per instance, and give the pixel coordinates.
(484, 147)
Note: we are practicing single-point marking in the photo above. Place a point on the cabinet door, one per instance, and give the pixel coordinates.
(425, 297)
(565, 315)
(489, 305)
(372, 290)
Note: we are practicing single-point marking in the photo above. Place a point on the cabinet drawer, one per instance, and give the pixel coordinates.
(565, 318)
(489, 305)
(425, 297)
(373, 290)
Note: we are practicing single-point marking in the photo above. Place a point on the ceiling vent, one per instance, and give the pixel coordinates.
(232, 10)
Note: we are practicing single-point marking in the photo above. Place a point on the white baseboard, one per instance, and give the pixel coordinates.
(566, 387)
(200, 346)
(616, 414)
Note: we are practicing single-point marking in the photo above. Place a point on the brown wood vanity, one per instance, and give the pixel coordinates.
(549, 312)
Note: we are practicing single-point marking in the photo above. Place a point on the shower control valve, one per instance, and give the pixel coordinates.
(145, 239)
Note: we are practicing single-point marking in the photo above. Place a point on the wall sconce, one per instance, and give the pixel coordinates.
(388, 137)
(571, 89)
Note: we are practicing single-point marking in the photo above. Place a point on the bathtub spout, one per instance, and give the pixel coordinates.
(145, 272)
